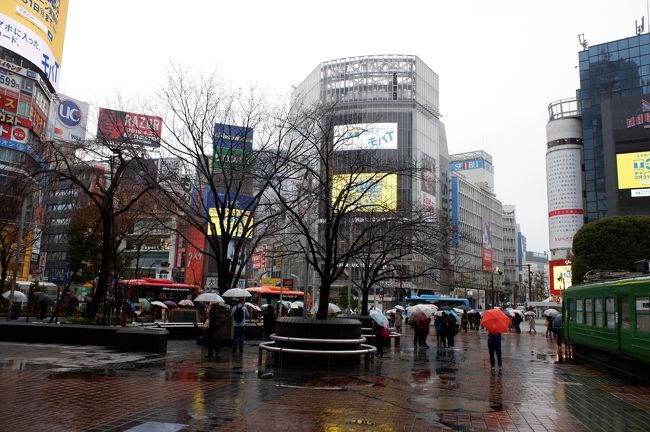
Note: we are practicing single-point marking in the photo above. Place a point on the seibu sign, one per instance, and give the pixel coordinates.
(129, 127)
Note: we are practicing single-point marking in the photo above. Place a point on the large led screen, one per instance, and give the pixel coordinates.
(365, 192)
(365, 136)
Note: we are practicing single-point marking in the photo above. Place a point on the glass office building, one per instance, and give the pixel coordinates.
(609, 73)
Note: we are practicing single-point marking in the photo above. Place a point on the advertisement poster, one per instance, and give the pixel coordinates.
(560, 274)
(633, 170)
(68, 118)
(365, 136)
(233, 146)
(35, 29)
(487, 246)
(129, 127)
(366, 192)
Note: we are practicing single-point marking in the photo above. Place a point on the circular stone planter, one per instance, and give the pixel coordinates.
(329, 330)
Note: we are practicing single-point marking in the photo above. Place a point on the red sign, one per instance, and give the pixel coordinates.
(8, 104)
(129, 127)
(560, 276)
(13, 133)
(487, 260)
(194, 258)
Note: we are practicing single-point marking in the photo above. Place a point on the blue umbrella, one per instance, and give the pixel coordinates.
(452, 313)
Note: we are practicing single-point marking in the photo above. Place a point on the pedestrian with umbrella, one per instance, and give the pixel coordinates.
(530, 316)
(380, 330)
(495, 322)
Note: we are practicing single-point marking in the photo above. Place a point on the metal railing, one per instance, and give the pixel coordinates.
(365, 350)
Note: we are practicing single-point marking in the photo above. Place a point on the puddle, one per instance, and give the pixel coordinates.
(445, 403)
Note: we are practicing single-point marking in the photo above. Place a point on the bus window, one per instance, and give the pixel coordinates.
(598, 312)
(611, 312)
(588, 312)
(580, 311)
(643, 314)
(625, 313)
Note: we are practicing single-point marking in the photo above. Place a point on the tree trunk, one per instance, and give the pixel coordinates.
(365, 293)
(106, 269)
(324, 299)
(3, 277)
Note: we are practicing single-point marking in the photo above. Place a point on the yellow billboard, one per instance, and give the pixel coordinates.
(238, 221)
(35, 29)
(365, 192)
(633, 170)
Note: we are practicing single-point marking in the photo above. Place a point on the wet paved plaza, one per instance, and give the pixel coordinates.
(81, 388)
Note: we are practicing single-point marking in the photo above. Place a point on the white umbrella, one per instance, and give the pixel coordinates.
(459, 311)
(186, 302)
(19, 297)
(425, 309)
(159, 303)
(253, 306)
(530, 313)
(379, 318)
(237, 293)
(331, 308)
(399, 307)
(518, 312)
(297, 305)
(550, 312)
(209, 298)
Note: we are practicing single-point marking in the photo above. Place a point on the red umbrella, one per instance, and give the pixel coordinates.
(495, 321)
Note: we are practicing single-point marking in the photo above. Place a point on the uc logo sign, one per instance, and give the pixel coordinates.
(69, 113)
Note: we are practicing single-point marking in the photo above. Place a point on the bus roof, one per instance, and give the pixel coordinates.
(433, 297)
(155, 283)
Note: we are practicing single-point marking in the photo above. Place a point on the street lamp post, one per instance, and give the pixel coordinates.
(498, 271)
(155, 263)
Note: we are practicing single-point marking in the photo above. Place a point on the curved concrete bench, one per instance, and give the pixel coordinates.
(366, 350)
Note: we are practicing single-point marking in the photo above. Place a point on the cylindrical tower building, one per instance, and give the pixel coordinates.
(564, 163)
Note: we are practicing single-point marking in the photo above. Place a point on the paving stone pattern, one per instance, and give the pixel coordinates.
(77, 388)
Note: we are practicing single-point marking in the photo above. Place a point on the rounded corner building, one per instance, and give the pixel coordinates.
(398, 94)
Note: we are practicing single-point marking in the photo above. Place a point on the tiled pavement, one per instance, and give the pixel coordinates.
(72, 388)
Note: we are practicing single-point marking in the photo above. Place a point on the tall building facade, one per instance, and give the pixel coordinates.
(399, 95)
(477, 215)
(598, 146)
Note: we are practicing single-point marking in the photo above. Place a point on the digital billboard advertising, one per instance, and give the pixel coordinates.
(560, 274)
(365, 136)
(67, 120)
(366, 192)
(35, 30)
(237, 210)
(129, 127)
(233, 146)
(633, 171)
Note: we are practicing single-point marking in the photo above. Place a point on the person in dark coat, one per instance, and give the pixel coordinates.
(449, 329)
(216, 320)
(269, 322)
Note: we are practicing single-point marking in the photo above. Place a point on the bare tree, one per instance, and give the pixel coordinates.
(406, 247)
(101, 169)
(227, 153)
(343, 207)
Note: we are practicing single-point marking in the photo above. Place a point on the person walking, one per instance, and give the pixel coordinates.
(549, 327)
(494, 348)
(381, 333)
(440, 336)
(423, 331)
(449, 329)
(398, 321)
(517, 322)
(531, 324)
(269, 322)
(239, 315)
(216, 320)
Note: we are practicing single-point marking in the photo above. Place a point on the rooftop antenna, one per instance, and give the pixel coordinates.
(639, 28)
(583, 41)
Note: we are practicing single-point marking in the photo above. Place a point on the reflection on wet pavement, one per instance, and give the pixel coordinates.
(73, 388)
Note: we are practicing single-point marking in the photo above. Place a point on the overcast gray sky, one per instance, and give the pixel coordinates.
(500, 62)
